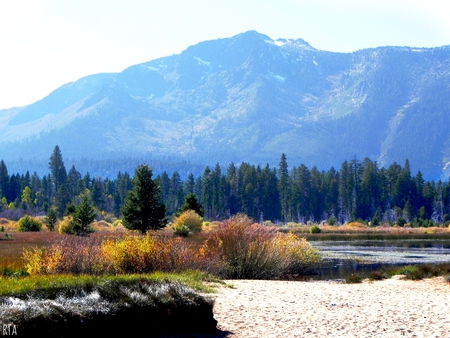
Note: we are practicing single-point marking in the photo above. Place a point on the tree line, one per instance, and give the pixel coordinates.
(358, 190)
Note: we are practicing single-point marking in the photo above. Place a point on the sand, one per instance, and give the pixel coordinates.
(388, 308)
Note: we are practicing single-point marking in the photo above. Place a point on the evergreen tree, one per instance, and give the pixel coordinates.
(207, 192)
(51, 219)
(191, 203)
(4, 179)
(57, 169)
(83, 216)
(73, 182)
(189, 185)
(142, 209)
(284, 188)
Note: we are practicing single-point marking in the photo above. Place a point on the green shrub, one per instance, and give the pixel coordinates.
(332, 220)
(28, 223)
(315, 229)
(181, 230)
(51, 219)
(400, 222)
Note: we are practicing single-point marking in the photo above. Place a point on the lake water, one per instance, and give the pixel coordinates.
(362, 256)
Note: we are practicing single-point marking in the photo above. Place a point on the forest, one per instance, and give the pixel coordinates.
(358, 190)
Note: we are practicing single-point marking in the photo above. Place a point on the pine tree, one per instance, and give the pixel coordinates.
(57, 169)
(284, 187)
(191, 203)
(142, 209)
(83, 216)
(51, 219)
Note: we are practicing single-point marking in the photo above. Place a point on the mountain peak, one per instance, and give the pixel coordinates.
(250, 98)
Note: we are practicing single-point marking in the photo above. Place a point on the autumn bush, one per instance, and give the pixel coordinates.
(300, 255)
(126, 254)
(70, 254)
(188, 222)
(130, 254)
(248, 250)
(28, 223)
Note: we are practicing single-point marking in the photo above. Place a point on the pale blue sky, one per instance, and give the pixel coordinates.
(47, 43)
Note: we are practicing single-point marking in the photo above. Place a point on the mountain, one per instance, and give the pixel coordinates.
(250, 98)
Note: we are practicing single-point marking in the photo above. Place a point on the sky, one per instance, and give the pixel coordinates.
(47, 43)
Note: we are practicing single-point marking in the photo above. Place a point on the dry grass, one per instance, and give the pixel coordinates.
(11, 249)
(360, 228)
(13, 243)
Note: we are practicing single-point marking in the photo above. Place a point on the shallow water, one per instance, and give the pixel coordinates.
(345, 257)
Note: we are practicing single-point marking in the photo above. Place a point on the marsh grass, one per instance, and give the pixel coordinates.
(412, 272)
(356, 230)
(11, 250)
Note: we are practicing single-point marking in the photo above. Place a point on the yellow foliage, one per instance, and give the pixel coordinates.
(356, 225)
(130, 254)
(66, 226)
(34, 261)
(190, 220)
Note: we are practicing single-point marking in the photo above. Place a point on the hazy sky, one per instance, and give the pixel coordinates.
(47, 43)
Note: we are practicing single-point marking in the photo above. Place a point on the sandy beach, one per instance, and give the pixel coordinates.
(388, 308)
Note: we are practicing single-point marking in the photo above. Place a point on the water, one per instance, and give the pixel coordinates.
(363, 256)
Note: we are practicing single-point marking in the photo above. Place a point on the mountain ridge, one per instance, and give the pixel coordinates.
(250, 98)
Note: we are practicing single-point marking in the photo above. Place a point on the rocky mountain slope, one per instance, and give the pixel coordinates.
(250, 98)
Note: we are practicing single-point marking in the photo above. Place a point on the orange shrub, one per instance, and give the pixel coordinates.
(71, 254)
(250, 250)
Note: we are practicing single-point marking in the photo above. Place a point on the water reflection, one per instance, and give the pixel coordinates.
(364, 256)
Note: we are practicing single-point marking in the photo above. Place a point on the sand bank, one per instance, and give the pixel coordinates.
(389, 308)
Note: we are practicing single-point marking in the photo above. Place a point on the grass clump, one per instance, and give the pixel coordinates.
(413, 272)
(12, 272)
(353, 278)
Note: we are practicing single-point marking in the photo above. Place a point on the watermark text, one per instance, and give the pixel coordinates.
(8, 330)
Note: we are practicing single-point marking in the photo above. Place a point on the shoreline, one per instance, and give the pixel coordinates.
(388, 308)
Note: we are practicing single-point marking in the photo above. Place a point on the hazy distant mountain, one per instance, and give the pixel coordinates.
(250, 98)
